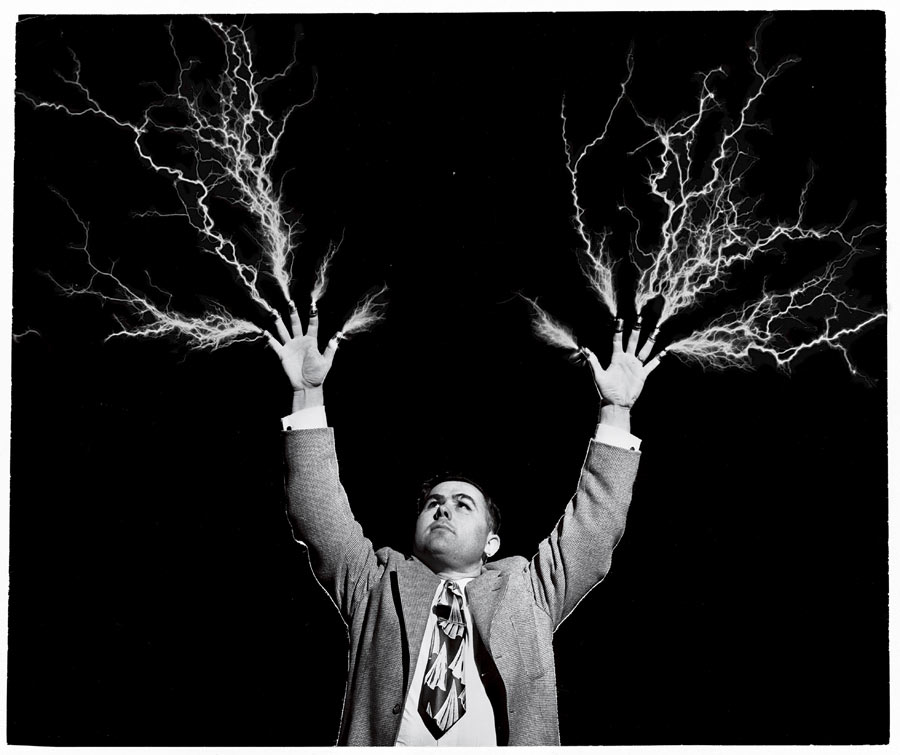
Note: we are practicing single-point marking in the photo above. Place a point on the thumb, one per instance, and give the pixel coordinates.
(597, 372)
(594, 362)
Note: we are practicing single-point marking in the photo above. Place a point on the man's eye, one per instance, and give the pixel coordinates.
(465, 504)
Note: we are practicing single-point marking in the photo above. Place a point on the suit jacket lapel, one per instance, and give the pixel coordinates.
(484, 595)
(417, 585)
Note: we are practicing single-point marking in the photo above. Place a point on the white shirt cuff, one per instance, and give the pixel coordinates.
(305, 419)
(615, 436)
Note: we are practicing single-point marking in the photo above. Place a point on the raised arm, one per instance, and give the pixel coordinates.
(341, 556)
(577, 554)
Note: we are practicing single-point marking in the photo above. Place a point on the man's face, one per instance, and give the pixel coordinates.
(452, 531)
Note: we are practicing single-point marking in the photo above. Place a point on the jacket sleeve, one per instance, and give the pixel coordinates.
(342, 557)
(577, 554)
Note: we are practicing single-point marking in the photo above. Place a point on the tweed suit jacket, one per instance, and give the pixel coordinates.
(384, 596)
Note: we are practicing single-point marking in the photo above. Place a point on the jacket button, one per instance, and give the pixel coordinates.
(397, 708)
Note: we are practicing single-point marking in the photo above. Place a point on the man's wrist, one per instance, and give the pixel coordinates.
(307, 398)
(615, 416)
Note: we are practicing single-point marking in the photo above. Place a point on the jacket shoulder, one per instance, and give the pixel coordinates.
(389, 558)
(508, 565)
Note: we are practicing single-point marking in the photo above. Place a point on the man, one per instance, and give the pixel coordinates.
(447, 648)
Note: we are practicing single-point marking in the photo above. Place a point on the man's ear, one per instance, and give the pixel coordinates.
(492, 545)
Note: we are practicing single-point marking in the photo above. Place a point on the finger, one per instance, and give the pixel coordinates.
(597, 372)
(283, 332)
(331, 348)
(654, 363)
(648, 346)
(618, 336)
(593, 361)
(313, 329)
(273, 342)
(296, 325)
(579, 356)
(633, 337)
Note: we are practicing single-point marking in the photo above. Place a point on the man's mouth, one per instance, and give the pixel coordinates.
(441, 526)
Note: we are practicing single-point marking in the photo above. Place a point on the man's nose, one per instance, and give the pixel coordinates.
(441, 511)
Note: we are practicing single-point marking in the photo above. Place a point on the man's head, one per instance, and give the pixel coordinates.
(456, 530)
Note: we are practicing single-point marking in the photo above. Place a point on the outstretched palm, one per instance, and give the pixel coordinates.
(621, 383)
(303, 364)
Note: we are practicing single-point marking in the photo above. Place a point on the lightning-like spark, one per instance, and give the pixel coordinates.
(550, 330)
(599, 268)
(231, 143)
(209, 331)
(811, 315)
(368, 312)
(599, 272)
(232, 147)
(322, 273)
(247, 138)
(709, 225)
(711, 230)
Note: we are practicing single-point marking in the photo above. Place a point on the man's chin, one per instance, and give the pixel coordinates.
(441, 543)
(436, 548)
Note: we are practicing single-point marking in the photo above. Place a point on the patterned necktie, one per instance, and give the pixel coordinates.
(442, 701)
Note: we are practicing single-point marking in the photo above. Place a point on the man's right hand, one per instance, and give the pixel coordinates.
(301, 360)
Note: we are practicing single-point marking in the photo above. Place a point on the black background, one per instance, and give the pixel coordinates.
(157, 596)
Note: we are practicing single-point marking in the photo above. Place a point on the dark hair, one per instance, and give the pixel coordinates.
(493, 513)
